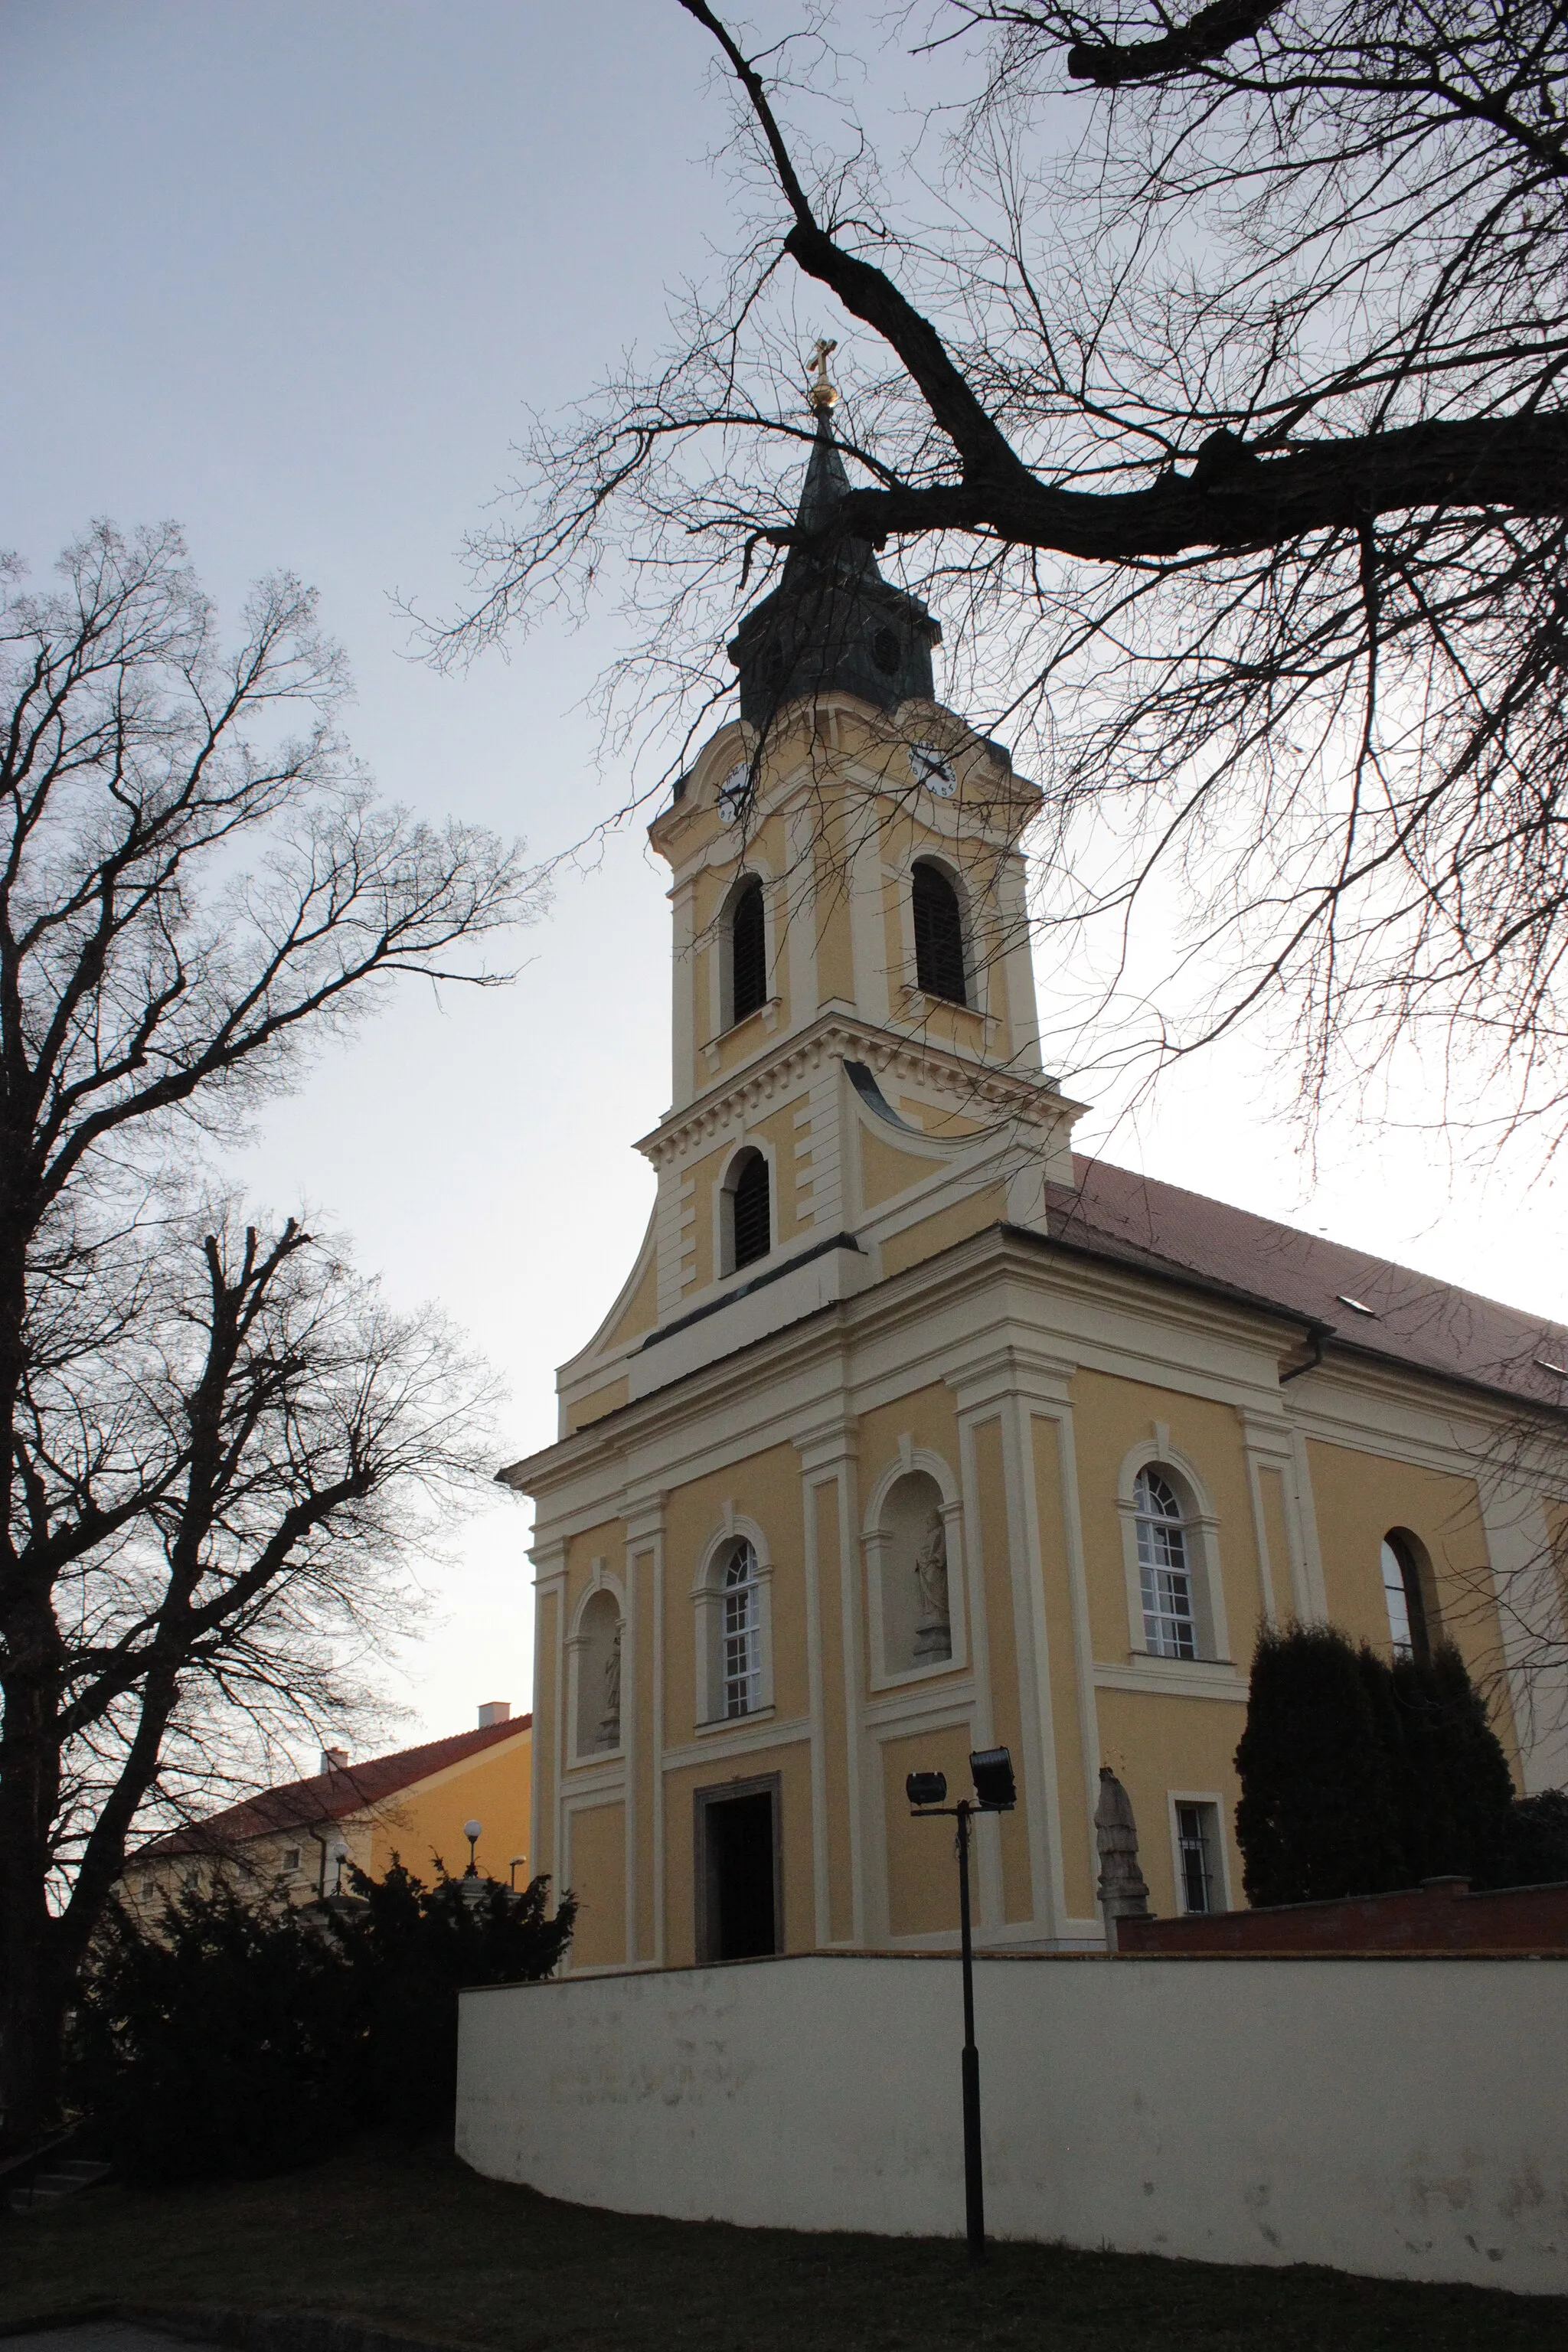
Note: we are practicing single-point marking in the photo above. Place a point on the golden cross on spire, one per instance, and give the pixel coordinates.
(822, 395)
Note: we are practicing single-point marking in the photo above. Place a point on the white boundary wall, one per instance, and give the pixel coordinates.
(1403, 2117)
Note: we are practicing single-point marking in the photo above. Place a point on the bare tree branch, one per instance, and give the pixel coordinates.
(222, 1447)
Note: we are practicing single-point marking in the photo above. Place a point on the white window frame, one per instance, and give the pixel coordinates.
(1219, 1855)
(874, 1547)
(1167, 1573)
(708, 1618)
(1200, 1523)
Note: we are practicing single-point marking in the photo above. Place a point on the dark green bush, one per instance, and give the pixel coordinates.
(1319, 1813)
(1534, 1848)
(1359, 1777)
(1453, 1783)
(229, 2037)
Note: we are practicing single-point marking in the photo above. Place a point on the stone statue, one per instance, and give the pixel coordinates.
(933, 1624)
(610, 1721)
(1122, 1892)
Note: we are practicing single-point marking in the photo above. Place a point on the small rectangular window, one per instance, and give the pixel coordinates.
(1197, 1857)
(291, 1858)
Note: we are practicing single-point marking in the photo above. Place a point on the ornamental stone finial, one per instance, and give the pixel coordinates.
(822, 395)
(1122, 1893)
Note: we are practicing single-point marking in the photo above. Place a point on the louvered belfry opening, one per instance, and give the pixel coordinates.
(939, 935)
(748, 954)
(752, 1211)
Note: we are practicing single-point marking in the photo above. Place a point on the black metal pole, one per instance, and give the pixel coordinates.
(973, 2179)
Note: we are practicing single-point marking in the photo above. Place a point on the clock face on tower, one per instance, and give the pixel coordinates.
(934, 770)
(734, 793)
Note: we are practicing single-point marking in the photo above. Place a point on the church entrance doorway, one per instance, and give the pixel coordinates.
(740, 1913)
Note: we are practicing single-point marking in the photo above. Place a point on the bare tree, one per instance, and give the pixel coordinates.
(216, 1439)
(1212, 393)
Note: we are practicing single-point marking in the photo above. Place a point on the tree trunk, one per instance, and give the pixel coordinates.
(33, 1991)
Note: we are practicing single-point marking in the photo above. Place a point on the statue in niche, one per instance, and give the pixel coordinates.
(1123, 1892)
(933, 1624)
(610, 1721)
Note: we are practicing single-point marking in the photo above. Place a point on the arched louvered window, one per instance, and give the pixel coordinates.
(748, 954)
(939, 935)
(749, 1213)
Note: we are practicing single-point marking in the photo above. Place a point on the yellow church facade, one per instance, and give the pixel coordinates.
(911, 1432)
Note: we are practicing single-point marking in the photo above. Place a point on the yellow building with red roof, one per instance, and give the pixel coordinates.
(412, 1806)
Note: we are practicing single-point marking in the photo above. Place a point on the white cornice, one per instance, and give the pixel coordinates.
(835, 1036)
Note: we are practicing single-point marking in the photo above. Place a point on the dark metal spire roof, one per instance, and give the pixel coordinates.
(833, 622)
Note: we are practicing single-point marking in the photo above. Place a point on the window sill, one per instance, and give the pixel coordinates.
(734, 1722)
(767, 1013)
(920, 1000)
(902, 1677)
(1174, 1677)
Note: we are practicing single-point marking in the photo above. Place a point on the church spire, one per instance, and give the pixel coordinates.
(833, 622)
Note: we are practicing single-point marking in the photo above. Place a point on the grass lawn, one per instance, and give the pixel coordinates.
(412, 2239)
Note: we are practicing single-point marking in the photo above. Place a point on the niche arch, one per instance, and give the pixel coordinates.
(897, 1538)
(594, 1660)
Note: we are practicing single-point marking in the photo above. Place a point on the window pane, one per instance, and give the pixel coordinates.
(1169, 1625)
(739, 1632)
(1196, 1830)
(1398, 1606)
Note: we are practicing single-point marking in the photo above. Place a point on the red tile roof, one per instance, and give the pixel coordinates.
(1414, 1320)
(326, 1796)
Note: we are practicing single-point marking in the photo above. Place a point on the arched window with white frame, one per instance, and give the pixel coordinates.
(1165, 1565)
(731, 1594)
(741, 1632)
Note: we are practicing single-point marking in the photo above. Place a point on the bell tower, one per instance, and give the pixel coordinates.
(855, 1041)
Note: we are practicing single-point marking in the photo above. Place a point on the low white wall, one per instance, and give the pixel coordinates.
(1407, 2118)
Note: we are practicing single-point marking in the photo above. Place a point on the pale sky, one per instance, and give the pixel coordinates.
(290, 274)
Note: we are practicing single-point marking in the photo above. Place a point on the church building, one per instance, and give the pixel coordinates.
(912, 1432)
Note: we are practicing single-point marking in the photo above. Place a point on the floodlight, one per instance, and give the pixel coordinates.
(926, 1788)
(994, 1786)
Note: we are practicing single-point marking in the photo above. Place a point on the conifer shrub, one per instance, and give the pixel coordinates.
(1318, 1816)
(229, 2037)
(1534, 1848)
(1360, 1777)
(1454, 1781)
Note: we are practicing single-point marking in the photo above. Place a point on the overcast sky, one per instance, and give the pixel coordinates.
(290, 274)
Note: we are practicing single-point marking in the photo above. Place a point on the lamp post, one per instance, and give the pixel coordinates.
(991, 1770)
(339, 1855)
(515, 1865)
(473, 1892)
